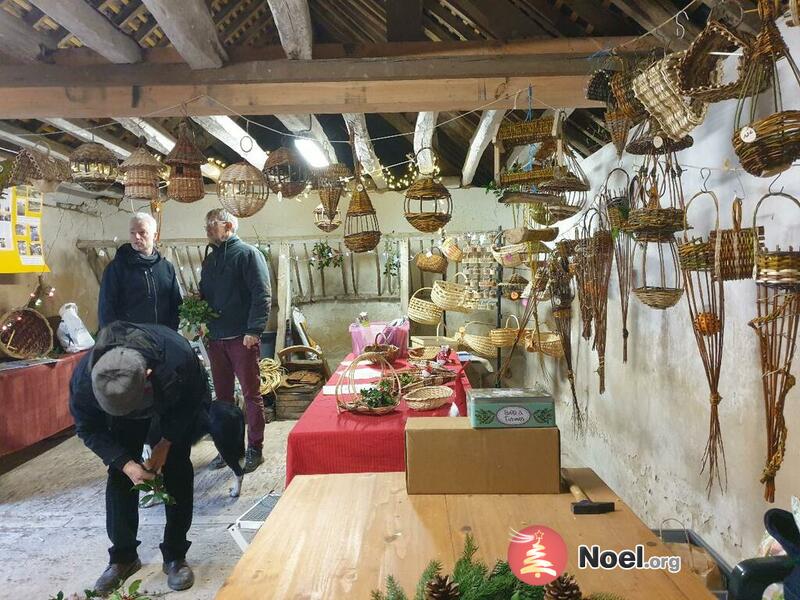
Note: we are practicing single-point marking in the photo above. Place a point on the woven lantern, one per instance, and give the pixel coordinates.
(666, 288)
(242, 189)
(330, 183)
(361, 230)
(185, 178)
(325, 223)
(39, 169)
(428, 205)
(286, 172)
(141, 172)
(94, 167)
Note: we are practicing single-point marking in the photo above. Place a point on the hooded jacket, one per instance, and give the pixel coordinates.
(139, 289)
(180, 388)
(235, 283)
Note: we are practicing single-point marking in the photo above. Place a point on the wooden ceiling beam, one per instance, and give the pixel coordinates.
(25, 139)
(404, 21)
(190, 29)
(227, 131)
(83, 130)
(293, 20)
(423, 138)
(21, 42)
(651, 14)
(503, 20)
(92, 29)
(310, 126)
(485, 132)
(365, 151)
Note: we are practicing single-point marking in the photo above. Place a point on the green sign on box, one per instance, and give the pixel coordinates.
(516, 407)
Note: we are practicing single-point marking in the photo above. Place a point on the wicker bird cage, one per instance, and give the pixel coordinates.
(525, 132)
(324, 222)
(94, 167)
(361, 229)
(242, 189)
(25, 333)
(286, 172)
(569, 182)
(184, 161)
(428, 205)
(331, 184)
(38, 169)
(766, 145)
(140, 175)
(668, 287)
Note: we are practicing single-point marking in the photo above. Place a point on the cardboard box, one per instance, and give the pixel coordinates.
(445, 455)
(517, 407)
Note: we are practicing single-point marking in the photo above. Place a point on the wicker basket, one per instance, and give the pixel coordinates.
(737, 247)
(654, 220)
(38, 169)
(451, 250)
(423, 311)
(428, 205)
(324, 222)
(449, 295)
(286, 172)
(433, 341)
(513, 288)
(626, 101)
(776, 145)
(94, 167)
(547, 342)
(330, 184)
(361, 229)
(184, 161)
(658, 297)
(140, 173)
(512, 255)
(25, 333)
(480, 344)
(430, 262)
(534, 176)
(618, 125)
(424, 353)
(387, 351)
(242, 189)
(504, 337)
(599, 86)
(348, 399)
(428, 397)
(776, 268)
(525, 132)
(648, 133)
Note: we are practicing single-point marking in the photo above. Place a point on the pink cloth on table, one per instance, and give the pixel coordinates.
(365, 336)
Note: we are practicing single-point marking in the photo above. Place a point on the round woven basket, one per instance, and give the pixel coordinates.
(480, 344)
(242, 189)
(660, 220)
(776, 145)
(504, 337)
(348, 399)
(428, 205)
(451, 250)
(658, 297)
(363, 241)
(93, 166)
(449, 295)
(25, 333)
(430, 262)
(423, 311)
(428, 398)
(286, 172)
(547, 342)
(386, 351)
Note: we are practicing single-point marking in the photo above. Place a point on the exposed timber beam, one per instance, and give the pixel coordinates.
(293, 21)
(92, 29)
(404, 20)
(423, 138)
(309, 125)
(21, 42)
(227, 131)
(650, 15)
(487, 129)
(190, 28)
(365, 152)
(86, 132)
(25, 139)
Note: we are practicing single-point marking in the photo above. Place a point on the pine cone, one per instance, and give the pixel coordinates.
(442, 588)
(563, 588)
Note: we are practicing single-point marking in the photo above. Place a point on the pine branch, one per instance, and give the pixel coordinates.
(393, 590)
(434, 568)
(377, 595)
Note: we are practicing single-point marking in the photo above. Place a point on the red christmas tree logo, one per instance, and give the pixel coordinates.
(537, 555)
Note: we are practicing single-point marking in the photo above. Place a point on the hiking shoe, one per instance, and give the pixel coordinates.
(115, 575)
(252, 458)
(179, 575)
(217, 462)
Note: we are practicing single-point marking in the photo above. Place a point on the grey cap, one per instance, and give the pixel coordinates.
(118, 381)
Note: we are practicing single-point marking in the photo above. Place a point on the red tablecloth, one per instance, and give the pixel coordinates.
(324, 441)
(34, 402)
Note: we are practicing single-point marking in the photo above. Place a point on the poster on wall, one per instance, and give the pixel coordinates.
(21, 240)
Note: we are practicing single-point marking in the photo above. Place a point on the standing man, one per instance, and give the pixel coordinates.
(235, 283)
(133, 373)
(139, 285)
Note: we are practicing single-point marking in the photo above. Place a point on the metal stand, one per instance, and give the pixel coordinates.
(499, 278)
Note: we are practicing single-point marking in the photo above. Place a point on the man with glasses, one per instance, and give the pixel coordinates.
(235, 283)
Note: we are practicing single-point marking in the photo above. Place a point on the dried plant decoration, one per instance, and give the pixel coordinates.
(561, 296)
(600, 255)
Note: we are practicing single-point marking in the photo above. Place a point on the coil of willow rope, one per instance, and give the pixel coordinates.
(271, 375)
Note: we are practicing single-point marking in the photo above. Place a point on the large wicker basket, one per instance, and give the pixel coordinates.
(423, 311)
(428, 397)
(547, 342)
(480, 344)
(430, 262)
(348, 399)
(504, 337)
(242, 189)
(184, 160)
(25, 333)
(141, 173)
(449, 295)
(361, 230)
(428, 205)
(737, 247)
(94, 167)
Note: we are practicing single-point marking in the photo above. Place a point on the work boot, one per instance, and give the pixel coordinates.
(217, 462)
(115, 575)
(252, 458)
(179, 575)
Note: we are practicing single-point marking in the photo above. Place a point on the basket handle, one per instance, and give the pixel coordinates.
(758, 206)
(736, 212)
(509, 317)
(348, 376)
(489, 325)
(686, 211)
(379, 334)
(419, 290)
(462, 274)
(621, 170)
(417, 153)
(440, 324)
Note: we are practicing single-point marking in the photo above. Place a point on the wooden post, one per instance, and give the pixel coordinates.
(404, 275)
(284, 296)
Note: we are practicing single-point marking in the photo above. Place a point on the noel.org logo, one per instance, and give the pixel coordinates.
(591, 557)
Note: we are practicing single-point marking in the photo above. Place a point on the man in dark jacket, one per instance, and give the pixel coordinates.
(139, 285)
(235, 283)
(133, 373)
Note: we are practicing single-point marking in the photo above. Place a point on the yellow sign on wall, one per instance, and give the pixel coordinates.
(21, 238)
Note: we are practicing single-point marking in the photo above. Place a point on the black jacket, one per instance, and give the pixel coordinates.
(235, 283)
(139, 289)
(180, 387)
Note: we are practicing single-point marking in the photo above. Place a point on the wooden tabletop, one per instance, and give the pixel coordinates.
(338, 536)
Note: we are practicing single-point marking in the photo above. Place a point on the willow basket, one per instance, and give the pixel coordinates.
(525, 132)
(776, 146)
(626, 101)
(512, 255)
(696, 255)
(504, 337)
(347, 399)
(387, 351)
(778, 268)
(480, 344)
(599, 86)
(433, 263)
(547, 342)
(451, 250)
(423, 311)
(428, 397)
(658, 297)
(449, 295)
(363, 241)
(737, 247)
(25, 333)
(656, 220)
(533, 176)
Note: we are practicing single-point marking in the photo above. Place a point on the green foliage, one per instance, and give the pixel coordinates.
(379, 396)
(498, 190)
(433, 569)
(405, 379)
(154, 489)
(543, 415)
(392, 266)
(484, 416)
(322, 255)
(195, 313)
(132, 593)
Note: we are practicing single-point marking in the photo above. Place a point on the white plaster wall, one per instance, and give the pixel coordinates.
(647, 433)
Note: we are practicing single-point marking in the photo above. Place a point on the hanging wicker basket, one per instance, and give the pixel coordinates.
(331, 183)
(737, 247)
(430, 262)
(286, 172)
(429, 397)
(242, 189)
(618, 125)
(480, 344)
(512, 255)
(698, 254)
(449, 295)
(648, 139)
(775, 147)
(776, 268)
(504, 337)
(664, 295)
(535, 176)
(38, 169)
(184, 161)
(428, 205)
(624, 97)
(513, 288)
(654, 220)
(361, 230)
(423, 311)
(599, 86)
(451, 250)
(547, 342)
(140, 175)
(24, 334)
(325, 223)
(94, 167)
(350, 400)
(525, 132)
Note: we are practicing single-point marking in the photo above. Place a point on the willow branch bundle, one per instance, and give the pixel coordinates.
(776, 326)
(580, 264)
(600, 257)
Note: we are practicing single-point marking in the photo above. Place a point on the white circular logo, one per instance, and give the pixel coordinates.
(513, 415)
(748, 135)
(658, 141)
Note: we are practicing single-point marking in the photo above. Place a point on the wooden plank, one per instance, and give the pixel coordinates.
(228, 131)
(190, 29)
(21, 42)
(378, 272)
(342, 268)
(296, 266)
(284, 299)
(293, 20)
(370, 163)
(92, 29)
(404, 20)
(353, 272)
(423, 138)
(309, 125)
(310, 274)
(405, 276)
(485, 132)
(85, 131)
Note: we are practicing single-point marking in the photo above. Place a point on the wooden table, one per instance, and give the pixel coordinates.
(338, 536)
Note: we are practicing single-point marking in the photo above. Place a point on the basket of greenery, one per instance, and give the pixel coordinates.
(380, 399)
(195, 313)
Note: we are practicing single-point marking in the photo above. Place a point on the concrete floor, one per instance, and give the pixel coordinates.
(52, 521)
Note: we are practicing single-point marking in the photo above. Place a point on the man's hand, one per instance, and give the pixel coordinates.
(250, 340)
(158, 456)
(136, 472)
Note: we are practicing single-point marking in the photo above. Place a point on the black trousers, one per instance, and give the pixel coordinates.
(122, 502)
